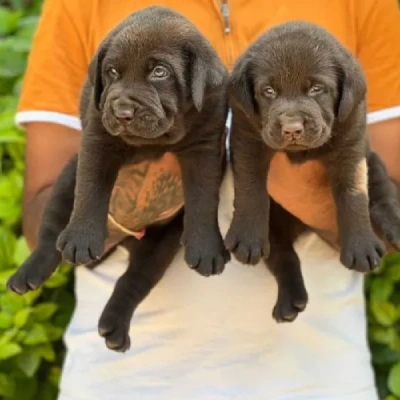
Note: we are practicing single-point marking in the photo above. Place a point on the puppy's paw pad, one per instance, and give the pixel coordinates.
(247, 249)
(289, 304)
(115, 330)
(362, 254)
(81, 246)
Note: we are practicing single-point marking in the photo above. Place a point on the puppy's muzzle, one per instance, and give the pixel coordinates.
(292, 130)
(123, 115)
(132, 117)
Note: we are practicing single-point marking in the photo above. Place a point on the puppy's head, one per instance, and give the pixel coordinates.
(149, 71)
(298, 80)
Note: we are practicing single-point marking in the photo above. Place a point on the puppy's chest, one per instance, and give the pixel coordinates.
(138, 154)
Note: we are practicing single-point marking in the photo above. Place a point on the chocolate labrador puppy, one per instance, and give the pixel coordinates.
(298, 90)
(155, 85)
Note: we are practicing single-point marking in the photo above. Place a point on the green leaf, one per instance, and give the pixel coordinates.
(44, 311)
(7, 385)
(56, 280)
(53, 332)
(391, 263)
(47, 391)
(45, 351)
(21, 317)
(381, 289)
(394, 379)
(21, 252)
(5, 320)
(385, 313)
(382, 354)
(31, 297)
(9, 20)
(25, 388)
(11, 302)
(54, 376)
(7, 244)
(4, 276)
(8, 336)
(28, 362)
(8, 350)
(36, 335)
(391, 397)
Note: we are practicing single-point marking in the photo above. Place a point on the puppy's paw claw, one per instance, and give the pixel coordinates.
(115, 330)
(207, 257)
(362, 253)
(81, 246)
(34, 271)
(248, 249)
(290, 303)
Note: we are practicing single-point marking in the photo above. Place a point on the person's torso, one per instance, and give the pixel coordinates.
(230, 25)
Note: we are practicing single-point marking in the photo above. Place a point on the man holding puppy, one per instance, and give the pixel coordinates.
(211, 338)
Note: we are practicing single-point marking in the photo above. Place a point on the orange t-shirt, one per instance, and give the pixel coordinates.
(69, 32)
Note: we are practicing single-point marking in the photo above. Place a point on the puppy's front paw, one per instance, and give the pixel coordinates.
(248, 246)
(291, 301)
(35, 270)
(80, 245)
(206, 255)
(114, 328)
(362, 253)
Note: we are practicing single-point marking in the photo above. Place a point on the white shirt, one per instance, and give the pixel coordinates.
(214, 338)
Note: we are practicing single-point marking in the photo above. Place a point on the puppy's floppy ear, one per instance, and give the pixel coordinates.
(95, 73)
(352, 87)
(206, 71)
(241, 88)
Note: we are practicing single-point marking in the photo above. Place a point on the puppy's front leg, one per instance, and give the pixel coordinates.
(361, 250)
(98, 164)
(201, 178)
(247, 236)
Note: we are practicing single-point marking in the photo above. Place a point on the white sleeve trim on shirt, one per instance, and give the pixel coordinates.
(75, 123)
(70, 121)
(383, 115)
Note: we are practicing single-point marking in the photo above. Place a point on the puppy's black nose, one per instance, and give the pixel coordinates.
(124, 114)
(292, 130)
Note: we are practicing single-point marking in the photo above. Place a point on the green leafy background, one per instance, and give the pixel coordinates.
(31, 326)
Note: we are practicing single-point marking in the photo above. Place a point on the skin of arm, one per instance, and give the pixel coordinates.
(143, 195)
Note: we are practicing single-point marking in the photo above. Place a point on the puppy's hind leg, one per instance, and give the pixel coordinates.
(45, 258)
(284, 264)
(149, 259)
(383, 201)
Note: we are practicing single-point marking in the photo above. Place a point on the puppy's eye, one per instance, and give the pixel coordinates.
(269, 92)
(159, 72)
(113, 73)
(315, 90)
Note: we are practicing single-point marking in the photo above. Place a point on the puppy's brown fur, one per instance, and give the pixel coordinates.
(154, 86)
(299, 91)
